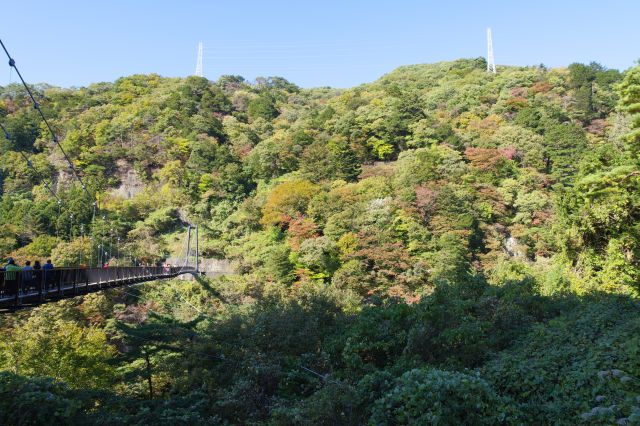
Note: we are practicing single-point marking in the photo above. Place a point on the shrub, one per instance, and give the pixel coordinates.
(426, 396)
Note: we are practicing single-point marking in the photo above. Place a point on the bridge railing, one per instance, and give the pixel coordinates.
(36, 286)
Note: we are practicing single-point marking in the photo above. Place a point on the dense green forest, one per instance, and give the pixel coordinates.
(441, 246)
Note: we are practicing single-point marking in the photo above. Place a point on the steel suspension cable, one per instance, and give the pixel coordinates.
(172, 306)
(186, 250)
(36, 106)
(92, 231)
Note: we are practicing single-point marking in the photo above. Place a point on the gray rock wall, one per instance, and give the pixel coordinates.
(210, 267)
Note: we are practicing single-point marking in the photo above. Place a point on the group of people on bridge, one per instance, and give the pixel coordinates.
(12, 272)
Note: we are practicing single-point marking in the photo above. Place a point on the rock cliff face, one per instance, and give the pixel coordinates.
(210, 267)
(130, 182)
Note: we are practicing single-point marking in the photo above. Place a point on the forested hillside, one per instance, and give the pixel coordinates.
(443, 245)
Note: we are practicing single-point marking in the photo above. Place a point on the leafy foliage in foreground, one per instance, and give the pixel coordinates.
(503, 355)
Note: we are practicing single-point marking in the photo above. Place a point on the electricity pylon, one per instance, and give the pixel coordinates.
(491, 65)
(199, 63)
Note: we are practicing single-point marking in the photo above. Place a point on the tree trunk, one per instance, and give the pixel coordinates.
(149, 381)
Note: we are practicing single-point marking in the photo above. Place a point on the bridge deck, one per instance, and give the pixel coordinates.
(19, 289)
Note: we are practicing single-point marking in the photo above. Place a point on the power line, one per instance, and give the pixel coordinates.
(36, 106)
(210, 44)
(280, 57)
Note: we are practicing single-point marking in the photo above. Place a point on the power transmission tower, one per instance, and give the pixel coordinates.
(491, 65)
(199, 63)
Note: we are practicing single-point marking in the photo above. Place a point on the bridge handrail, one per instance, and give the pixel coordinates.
(19, 288)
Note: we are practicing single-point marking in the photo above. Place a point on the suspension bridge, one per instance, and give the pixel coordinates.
(28, 288)
(21, 288)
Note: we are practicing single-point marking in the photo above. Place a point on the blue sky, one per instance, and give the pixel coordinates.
(322, 43)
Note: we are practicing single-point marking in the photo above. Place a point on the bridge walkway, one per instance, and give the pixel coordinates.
(20, 289)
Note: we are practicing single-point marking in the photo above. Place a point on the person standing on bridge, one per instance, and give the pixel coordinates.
(11, 266)
(27, 276)
(48, 274)
(11, 277)
(37, 272)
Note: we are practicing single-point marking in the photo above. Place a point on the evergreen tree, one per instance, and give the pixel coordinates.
(565, 143)
(344, 160)
(630, 103)
(582, 78)
(263, 107)
(150, 339)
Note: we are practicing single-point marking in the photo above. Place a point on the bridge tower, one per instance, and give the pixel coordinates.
(491, 65)
(197, 253)
(199, 72)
